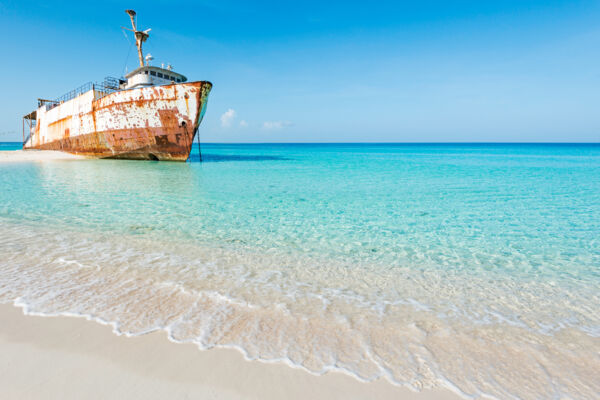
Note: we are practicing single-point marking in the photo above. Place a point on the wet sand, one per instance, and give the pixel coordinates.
(71, 358)
(36, 155)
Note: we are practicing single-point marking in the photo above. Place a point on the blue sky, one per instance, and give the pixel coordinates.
(316, 71)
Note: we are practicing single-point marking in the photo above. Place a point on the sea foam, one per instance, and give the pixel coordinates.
(274, 310)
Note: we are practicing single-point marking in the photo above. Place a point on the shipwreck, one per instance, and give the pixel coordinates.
(152, 113)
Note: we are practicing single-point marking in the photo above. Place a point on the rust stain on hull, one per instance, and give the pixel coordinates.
(151, 123)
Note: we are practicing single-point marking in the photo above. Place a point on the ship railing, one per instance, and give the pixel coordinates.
(108, 86)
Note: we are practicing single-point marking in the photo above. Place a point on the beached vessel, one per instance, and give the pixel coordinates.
(153, 113)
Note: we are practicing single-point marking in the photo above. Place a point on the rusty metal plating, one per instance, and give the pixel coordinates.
(148, 123)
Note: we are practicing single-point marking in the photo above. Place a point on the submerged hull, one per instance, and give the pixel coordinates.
(149, 123)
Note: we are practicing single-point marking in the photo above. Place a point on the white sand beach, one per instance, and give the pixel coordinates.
(36, 155)
(71, 358)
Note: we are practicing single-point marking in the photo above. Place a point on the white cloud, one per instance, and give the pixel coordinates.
(243, 123)
(275, 125)
(227, 118)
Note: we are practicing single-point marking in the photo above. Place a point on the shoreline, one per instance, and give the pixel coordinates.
(375, 264)
(76, 358)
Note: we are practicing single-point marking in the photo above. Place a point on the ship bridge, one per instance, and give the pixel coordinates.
(146, 74)
(149, 75)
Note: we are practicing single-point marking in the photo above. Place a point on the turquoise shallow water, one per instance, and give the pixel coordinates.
(379, 260)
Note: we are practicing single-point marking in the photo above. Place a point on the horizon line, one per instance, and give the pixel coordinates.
(417, 143)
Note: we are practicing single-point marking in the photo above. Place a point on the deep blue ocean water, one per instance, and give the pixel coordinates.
(10, 146)
(381, 260)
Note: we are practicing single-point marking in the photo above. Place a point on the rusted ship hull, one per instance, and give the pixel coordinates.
(149, 123)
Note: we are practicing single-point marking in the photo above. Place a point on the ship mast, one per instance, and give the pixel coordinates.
(140, 36)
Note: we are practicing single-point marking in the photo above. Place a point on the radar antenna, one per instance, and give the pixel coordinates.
(140, 36)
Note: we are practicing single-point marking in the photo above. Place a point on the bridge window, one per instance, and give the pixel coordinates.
(153, 73)
(160, 75)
